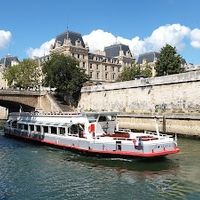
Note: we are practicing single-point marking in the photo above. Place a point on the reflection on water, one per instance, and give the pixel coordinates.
(29, 171)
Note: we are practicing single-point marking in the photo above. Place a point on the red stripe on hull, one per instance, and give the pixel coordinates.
(106, 153)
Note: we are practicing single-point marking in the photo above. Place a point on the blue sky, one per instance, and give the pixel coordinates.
(27, 28)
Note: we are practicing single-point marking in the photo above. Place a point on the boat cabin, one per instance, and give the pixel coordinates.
(83, 125)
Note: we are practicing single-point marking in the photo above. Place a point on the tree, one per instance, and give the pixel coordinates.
(146, 71)
(25, 74)
(134, 71)
(63, 73)
(168, 62)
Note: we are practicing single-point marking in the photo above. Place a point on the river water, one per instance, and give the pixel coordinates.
(33, 172)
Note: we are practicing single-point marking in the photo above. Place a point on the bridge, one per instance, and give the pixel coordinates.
(27, 100)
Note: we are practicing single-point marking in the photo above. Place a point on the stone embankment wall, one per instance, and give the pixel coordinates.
(3, 113)
(168, 94)
(47, 104)
(181, 124)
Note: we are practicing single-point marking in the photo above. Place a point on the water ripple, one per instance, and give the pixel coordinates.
(32, 172)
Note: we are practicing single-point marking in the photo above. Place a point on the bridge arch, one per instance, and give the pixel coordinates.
(27, 100)
(13, 106)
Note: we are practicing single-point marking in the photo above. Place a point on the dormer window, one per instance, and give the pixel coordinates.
(58, 44)
(78, 42)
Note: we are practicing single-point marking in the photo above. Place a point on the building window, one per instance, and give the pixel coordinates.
(72, 54)
(84, 64)
(97, 67)
(90, 74)
(97, 75)
(105, 68)
(113, 76)
(90, 65)
(106, 76)
(113, 69)
(78, 56)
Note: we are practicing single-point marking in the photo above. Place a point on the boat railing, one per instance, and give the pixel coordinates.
(56, 113)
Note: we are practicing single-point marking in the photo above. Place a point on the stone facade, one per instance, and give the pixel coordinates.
(100, 66)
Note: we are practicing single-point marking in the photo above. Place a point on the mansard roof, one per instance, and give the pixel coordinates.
(101, 58)
(73, 36)
(7, 61)
(148, 57)
(113, 50)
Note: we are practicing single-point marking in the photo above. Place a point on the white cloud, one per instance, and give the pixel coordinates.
(195, 38)
(169, 34)
(173, 34)
(98, 39)
(5, 37)
(41, 51)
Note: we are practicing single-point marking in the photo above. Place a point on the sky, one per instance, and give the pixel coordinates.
(28, 28)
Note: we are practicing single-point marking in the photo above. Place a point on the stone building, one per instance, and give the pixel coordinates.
(101, 66)
(7, 61)
(148, 58)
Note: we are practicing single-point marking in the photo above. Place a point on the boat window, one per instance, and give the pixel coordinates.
(8, 123)
(92, 118)
(14, 124)
(53, 130)
(102, 119)
(25, 127)
(20, 126)
(31, 127)
(45, 129)
(62, 130)
(38, 128)
(107, 118)
(77, 129)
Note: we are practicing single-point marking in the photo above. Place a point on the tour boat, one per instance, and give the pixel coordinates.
(89, 133)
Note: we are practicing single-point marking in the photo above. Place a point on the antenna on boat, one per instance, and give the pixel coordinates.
(117, 124)
(175, 138)
(20, 108)
(157, 128)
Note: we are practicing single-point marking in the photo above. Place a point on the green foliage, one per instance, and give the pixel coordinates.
(135, 71)
(168, 62)
(146, 71)
(62, 72)
(24, 75)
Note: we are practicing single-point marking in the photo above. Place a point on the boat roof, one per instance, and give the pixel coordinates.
(43, 123)
(73, 114)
